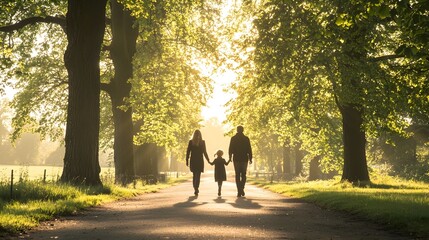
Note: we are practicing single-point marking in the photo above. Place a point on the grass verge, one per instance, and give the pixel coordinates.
(36, 201)
(397, 204)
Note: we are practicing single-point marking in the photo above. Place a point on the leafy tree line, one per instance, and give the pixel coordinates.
(160, 36)
(327, 81)
(321, 83)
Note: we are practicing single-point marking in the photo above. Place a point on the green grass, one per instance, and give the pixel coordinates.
(397, 204)
(36, 201)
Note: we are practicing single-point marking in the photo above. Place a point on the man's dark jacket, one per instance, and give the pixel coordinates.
(240, 148)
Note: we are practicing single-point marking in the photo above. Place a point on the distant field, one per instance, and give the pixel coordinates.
(36, 172)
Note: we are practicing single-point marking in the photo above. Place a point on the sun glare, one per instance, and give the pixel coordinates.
(222, 93)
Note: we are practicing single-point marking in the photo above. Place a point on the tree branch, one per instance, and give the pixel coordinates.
(386, 57)
(60, 20)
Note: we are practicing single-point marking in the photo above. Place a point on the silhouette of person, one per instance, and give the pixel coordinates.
(220, 172)
(194, 158)
(241, 153)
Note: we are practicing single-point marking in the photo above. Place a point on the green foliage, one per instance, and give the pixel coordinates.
(168, 87)
(19, 9)
(172, 35)
(283, 93)
(306, 59)
(413, 19)
(41, 102)
(401, 205)
(297, 61)
(106, 123)
(35, 68)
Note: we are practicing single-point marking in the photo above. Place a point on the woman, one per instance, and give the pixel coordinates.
(196, 150)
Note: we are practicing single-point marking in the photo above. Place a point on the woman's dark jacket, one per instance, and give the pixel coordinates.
(196, 156)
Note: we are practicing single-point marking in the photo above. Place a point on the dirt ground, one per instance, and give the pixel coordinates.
(175, 213)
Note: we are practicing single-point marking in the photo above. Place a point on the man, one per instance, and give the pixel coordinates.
(241, 153)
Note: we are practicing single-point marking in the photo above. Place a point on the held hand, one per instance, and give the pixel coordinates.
(250, 161)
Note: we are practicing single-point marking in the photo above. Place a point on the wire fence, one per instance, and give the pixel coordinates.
(10, 176)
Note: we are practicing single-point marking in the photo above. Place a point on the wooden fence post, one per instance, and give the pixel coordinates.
(11, 184)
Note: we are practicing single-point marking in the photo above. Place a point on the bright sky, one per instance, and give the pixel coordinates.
(9, 93)
(221, 95)
(221, 81)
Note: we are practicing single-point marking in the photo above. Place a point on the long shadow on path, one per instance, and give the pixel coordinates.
(245, 203)
(190, 202)
(173, 213)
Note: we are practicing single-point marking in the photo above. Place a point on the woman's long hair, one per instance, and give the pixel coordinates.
(197, 138)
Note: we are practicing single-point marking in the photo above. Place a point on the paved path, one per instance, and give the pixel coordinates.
(174, 213)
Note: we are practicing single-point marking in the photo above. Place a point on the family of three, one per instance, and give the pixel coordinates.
(240, 152)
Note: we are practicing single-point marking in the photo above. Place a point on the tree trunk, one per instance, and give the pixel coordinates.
(314, 172)
(298, 159)
(287, 169)
(85, 30)
(355, 168)
(174, 163)
(146, 163)
(123, 144)
(123, 47)
(163, 164)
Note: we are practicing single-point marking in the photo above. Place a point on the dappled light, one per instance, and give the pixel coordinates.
(324, 103)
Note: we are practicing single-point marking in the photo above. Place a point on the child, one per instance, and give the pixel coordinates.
(220, 173)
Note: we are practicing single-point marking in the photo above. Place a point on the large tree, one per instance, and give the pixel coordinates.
(85, 31)
(82, 62)
(48, 99)
(41, 78)
(159, 27)
(124, 29)
(41, 100)
(334, 53)
(168, 86)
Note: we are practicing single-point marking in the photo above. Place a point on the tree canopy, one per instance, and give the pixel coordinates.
(314, 63)
(326, 82)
